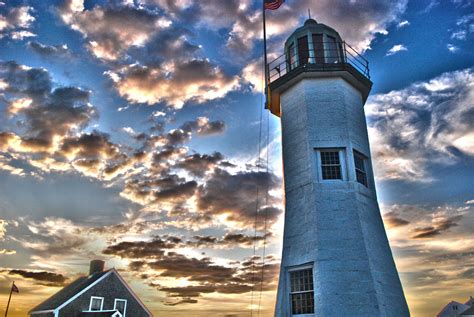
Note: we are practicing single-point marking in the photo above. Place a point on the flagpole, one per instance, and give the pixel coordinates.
(265, 53)
(9, 298)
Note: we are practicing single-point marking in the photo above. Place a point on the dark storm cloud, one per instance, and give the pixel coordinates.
(40, 277)
(234, 195)
(50, 51)
(437, 228)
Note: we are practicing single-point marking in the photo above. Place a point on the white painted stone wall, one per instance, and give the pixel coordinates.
(334, 225)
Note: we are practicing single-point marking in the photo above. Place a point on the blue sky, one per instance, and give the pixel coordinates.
(133, 126)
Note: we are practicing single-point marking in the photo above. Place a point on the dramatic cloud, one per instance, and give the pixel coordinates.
(425, 124)
(233, 196)
(16, 22)
(39, 277)
(440, 224)
(196, 80)
(49, 114)
(198, 164)
(142, 249)
(111, 30)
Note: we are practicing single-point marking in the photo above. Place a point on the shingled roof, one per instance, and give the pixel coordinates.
(468, 312)
(69, 291)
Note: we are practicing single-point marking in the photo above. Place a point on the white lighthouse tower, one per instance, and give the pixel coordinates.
(336, 258)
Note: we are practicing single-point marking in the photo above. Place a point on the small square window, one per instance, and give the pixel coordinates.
(302, 291)
(96, 303)
(120, 305)
(330, 164)
(361, 171)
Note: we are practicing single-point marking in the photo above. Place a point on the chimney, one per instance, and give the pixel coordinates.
(96, 266)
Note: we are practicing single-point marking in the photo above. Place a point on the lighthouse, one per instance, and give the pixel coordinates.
(336, 259)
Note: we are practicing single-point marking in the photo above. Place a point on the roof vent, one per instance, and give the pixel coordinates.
(96, 266)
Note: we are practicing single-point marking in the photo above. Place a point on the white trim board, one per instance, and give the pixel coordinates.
(56, 310)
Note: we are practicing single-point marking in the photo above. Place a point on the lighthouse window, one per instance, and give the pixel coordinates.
(330, 164)
(292, 56)
(332, 52)
(303, 50)
(361, 172)
(302, 291)
(318, 46)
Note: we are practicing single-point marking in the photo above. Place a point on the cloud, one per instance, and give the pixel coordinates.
(111, 30)
(3, 229)
(440, 224)
(452, 48)
(39, 277)
(55, 237)
(367, 19)
(199, 164)
(203, 126)
(392, 220)
(233, 196)
(7, 252)
(464, 28)
(403, 23)
(195, 80)
(49, 113)
(50, 51)
(142, 249)
(423, 125)
(16, 22)
(230, 240)
(396, 49)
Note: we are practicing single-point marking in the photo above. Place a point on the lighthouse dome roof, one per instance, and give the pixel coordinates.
(310, 27)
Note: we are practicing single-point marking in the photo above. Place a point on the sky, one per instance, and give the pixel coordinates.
(133, 131)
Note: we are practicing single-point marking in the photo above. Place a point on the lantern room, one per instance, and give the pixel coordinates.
(316, 50)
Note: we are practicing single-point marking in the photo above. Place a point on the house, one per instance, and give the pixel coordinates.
(101, 293)
(457, 309)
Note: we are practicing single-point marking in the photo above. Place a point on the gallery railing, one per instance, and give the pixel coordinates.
(326, 58)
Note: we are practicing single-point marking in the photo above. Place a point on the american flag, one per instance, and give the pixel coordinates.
(273, 4)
